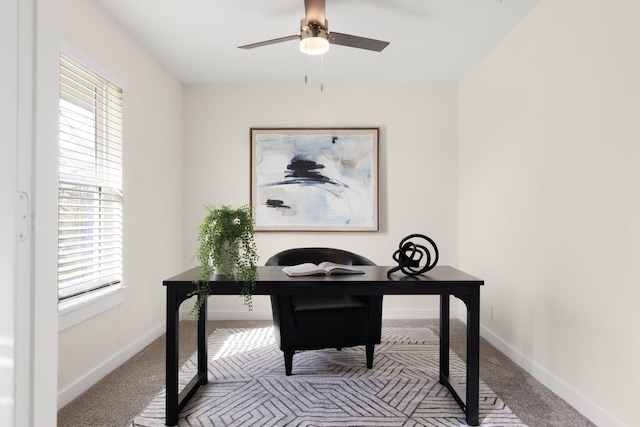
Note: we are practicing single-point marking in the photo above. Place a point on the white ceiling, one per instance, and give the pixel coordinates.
(430, 40)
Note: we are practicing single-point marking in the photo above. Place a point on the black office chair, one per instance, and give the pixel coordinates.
(310, 322)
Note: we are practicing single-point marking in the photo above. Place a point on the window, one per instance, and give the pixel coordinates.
(90, 182)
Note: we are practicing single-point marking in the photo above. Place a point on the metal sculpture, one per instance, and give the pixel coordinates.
(411, 255)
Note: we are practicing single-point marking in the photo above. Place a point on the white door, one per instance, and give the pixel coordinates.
(29, 43)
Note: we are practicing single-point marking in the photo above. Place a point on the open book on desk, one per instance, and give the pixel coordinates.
(324, 268)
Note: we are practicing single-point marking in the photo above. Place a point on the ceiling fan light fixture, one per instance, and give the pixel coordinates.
(314, 39)
(314, 45)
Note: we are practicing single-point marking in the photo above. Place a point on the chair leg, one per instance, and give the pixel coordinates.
(369, 351)
(288, 362)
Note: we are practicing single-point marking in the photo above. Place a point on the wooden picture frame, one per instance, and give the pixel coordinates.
(315, 179)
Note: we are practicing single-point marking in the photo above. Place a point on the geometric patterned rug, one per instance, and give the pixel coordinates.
(248, 386)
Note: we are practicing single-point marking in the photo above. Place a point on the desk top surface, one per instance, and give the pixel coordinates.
(272, 280)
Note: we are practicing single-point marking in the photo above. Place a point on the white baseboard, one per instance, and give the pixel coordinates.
(84, 383)
(587, 408)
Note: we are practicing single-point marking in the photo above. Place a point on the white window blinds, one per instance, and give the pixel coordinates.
(90, 181)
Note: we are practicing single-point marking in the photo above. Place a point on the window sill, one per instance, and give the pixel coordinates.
(79, 309)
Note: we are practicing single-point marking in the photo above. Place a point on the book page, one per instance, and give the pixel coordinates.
(305, 269)
(334, 268)
(310, 269)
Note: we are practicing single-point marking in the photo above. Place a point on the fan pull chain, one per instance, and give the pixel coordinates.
(322, 72)
(305, 69)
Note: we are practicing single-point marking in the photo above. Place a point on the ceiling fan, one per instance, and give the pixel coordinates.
(315, 36)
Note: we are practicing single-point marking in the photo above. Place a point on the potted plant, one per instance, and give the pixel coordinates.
(227, 247)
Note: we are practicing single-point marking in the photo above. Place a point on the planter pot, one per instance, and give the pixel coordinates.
(216, 270)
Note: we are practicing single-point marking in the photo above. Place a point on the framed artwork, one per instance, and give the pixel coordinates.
(316, 179)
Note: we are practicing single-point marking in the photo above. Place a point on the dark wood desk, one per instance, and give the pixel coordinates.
(442, 280)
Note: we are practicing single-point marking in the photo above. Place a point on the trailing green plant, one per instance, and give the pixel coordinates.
(227, 246)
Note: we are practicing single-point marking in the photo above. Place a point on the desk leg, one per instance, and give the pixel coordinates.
(202, 344)
(470, 404)
(173, 320)
(473, 356)
(444, 337)
(175, 400)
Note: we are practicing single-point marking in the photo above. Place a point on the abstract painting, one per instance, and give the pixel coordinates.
(315, 179)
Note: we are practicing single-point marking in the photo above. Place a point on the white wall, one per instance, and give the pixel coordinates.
(152, 200)
(549, 199)
(418, 172)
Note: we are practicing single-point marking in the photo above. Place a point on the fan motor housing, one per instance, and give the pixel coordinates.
(313, 29)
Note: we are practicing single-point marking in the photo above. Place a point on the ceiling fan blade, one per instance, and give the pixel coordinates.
(268, 42)
(357, 42)
(314, 11)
